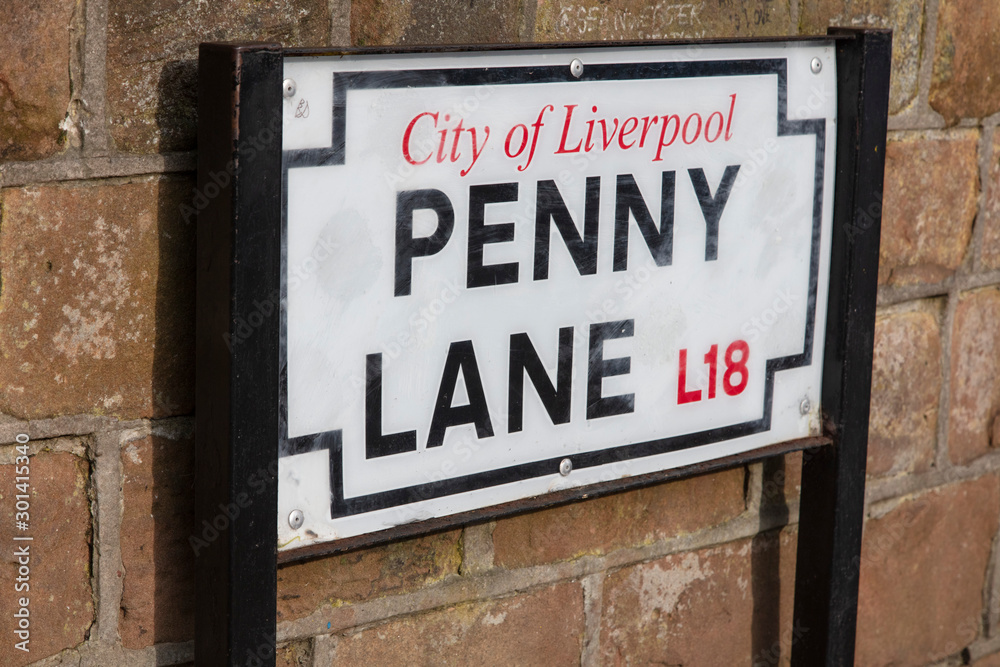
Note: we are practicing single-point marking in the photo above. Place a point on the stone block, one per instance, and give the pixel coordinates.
(930, 201)
(923, 568)
(158, 593)
(56, 583)
(97, 306)
(381, 22)
(990, 246)
(622, 520)
(367, 573)
(541, 627)
(965, 82)
(34, 76)
(906, 388)
(974, 413)
(725, 605)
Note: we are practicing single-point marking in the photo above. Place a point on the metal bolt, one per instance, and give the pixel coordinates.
(805, 406)
(288, 87)
(816, 66)
(565, 467)
(295, 519)
(576, 68)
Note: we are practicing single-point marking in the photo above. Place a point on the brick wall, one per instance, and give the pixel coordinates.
(96, 366)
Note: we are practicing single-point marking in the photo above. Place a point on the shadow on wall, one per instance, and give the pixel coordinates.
(176, 112)
(765, 570)
(158, 598)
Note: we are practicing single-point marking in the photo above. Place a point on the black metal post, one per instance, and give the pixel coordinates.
(831, 514)
(239, 207)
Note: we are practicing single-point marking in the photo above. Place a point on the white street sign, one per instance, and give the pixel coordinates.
(509, 273)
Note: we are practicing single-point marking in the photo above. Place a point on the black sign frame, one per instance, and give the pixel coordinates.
(237, 382)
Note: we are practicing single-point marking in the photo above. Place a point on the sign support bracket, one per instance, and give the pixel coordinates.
(831, 510)
(236, 397)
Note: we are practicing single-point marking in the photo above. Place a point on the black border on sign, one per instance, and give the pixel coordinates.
(520, 75)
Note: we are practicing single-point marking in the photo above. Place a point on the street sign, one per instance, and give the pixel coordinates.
(443, 285)
(509, 273)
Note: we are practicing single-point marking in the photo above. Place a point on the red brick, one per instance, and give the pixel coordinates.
(368, 573)
(375, 22)
(543, 627)
(97, 307)
(923, 568)
(152, 58)
(965, 81)
(622, 520)
(990, 246)
(34, 76)
(904, 17)
(60, 599)
(158, 584)
(974, 414)
(906, 386)
(587, 20)
(930, 201)
(726, 605)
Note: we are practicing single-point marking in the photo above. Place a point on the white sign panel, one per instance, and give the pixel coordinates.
(511, 273)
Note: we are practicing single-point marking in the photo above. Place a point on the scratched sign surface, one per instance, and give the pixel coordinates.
(510, 273)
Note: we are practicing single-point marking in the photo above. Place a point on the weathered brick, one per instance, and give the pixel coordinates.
(965, 82)
(726, 605)
(906, 386)
(375, 22)
(620, 520)
(34, 76)
(904, 17)
(930, 201)
(97, 306)
(59, 594)
(158, 564)
(988, 661)
(543, 627)
(923, 567)
(364, 574)
(974, 413)
(152, 58)
(990, 245)
(297, 654)
(585, 20)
